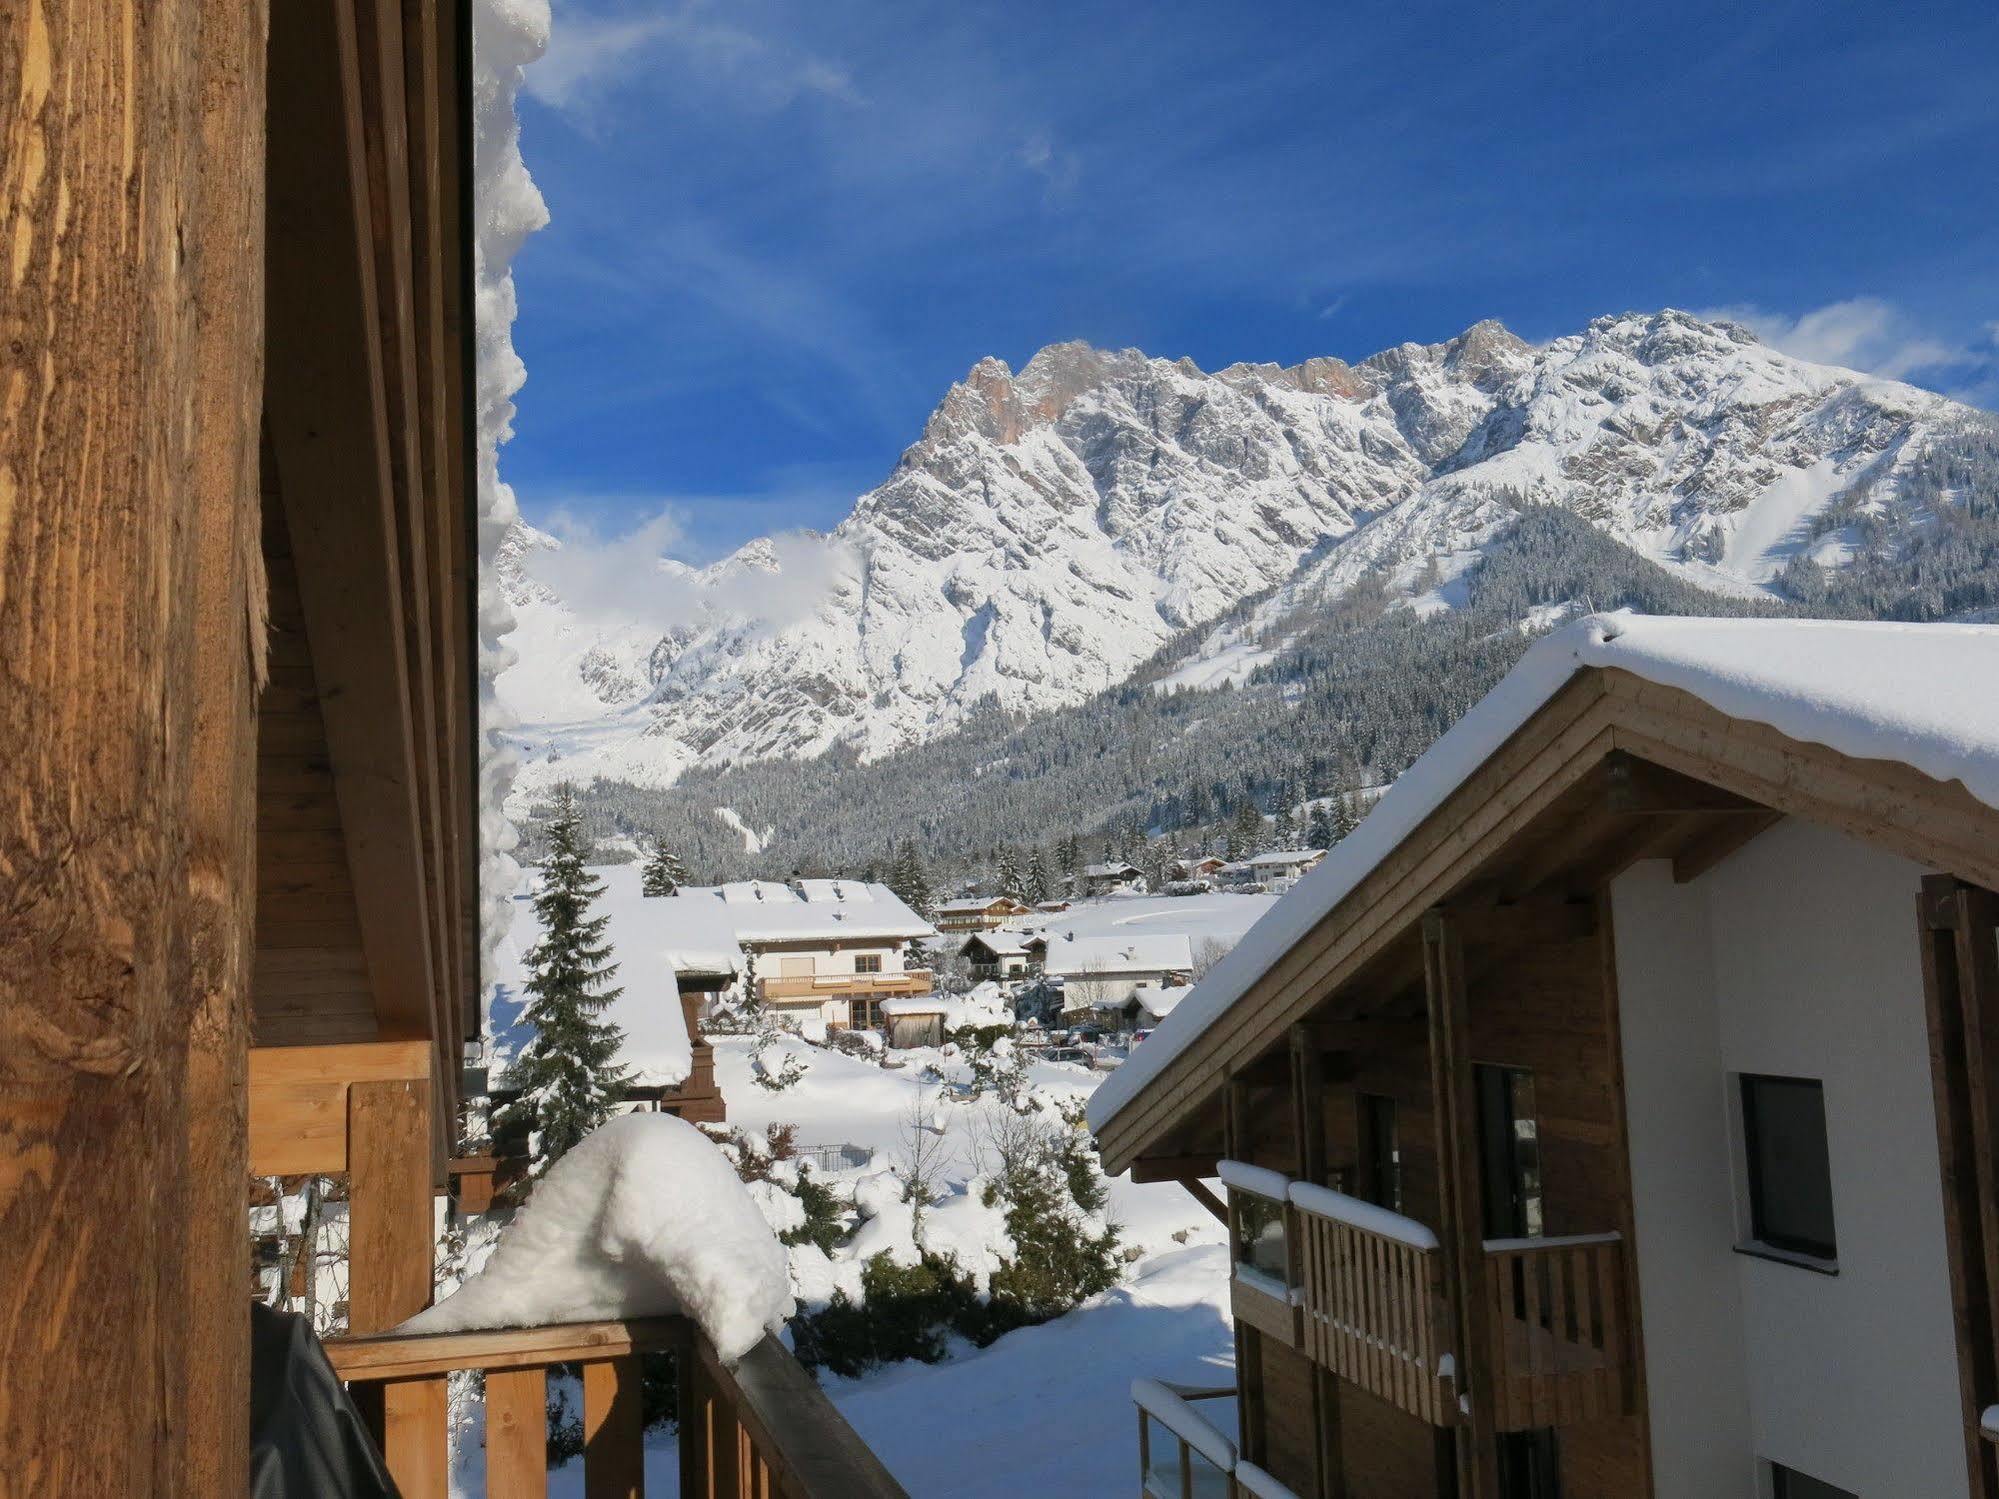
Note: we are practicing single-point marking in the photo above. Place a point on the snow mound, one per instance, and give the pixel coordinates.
(644, 1218)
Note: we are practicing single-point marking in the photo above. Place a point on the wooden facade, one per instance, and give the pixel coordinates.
(1479, 956)
(238, 736)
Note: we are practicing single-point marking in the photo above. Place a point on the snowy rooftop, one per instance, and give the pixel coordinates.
(1918, 694)
(1006, 943)
(1280, 858)
(977, 903)
(1115, 868)
(1079, 957)
(703, 929)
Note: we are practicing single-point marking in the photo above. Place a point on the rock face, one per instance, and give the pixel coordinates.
(1052, 529)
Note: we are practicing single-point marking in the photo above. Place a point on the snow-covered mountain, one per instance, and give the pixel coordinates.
(1052, 530)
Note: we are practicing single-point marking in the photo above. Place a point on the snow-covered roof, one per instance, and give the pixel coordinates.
(914, 1004)
(1921, 695)
(1163, 1001)
(1113, 870)
(1280, 858)
(1004, 943)
(972, 903)
(756, 911)
(656, 1047)
(1081, 957)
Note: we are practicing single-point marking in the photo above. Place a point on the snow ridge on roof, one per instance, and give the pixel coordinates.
(1078, 957)
(1921, 695)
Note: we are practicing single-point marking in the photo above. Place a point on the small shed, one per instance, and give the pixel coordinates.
(917, 1020)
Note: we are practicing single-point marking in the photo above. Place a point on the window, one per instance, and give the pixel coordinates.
(1509, 1152)
(1380, 1174)
(1788, 1483)
(1530, 1465)
(868, 962)
(1789, 1171)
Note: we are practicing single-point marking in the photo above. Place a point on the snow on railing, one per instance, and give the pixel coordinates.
(1177, 1416)
(1205, 1461)
(1327, 1203)
(1258, 1179)
(1252, 1480)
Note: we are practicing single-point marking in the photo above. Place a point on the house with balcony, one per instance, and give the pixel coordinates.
(1110, 877)
(981, 913)
(1280, 868)
(823, 954)
(1104, 973)
(1001, 956)
(1607, 1116)
(240, 748)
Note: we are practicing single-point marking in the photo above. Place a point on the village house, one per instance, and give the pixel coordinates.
(1197, 867)
(999, 955)
(1608, 1116)
(1105, 972)
(981, 913)
(1281, 868)
(822, 954)
(1106, 879)
(239, 746)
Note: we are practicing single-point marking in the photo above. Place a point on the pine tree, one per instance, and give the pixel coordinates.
(1068, 856)
(1012, 879)
(910, 880)
(1246, 831)
(664, 873)
(566, 1073)
(1037, 878)
(1286, 832)
(1322, 833)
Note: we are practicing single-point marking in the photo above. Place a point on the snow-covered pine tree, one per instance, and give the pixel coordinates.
(664, 873)
(1286, 831)
(1069, 856)
(1245, 831)
(1037, 878)
(1012, 878)
(566, 1072)
(910, 880)
(1321, 833)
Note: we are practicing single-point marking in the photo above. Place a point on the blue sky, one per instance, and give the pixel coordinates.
(780, 230)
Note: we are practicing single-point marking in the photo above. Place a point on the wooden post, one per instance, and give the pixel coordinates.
(517, 1434)
(1308, 1104)
(390, 1251)
(131, 183)
(1456, 1130)
(1956, 927)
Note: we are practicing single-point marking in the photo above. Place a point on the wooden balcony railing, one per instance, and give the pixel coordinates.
(1375, 1311)
(760, 1430)
(1560, 1330)
(839, 985)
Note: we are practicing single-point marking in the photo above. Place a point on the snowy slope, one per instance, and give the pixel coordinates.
(1051, 530)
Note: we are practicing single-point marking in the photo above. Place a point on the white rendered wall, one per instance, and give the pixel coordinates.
(1798, 956)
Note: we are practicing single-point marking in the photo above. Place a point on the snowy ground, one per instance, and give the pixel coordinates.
(1045, 1410)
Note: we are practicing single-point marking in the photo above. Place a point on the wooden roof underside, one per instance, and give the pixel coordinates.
(367, 832)
(1610, 771)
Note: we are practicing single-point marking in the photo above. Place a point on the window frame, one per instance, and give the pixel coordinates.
(1781, 1245)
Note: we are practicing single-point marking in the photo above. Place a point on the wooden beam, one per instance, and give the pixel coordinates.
(1641, 788)
(329, 424)
(1198, 1190)
(1455, 1112)
(1706, 849)
(1308, 1105)
(1172, 1168)
(298, 1100)
(411, 1355)
(391, 1237)
(131, 186)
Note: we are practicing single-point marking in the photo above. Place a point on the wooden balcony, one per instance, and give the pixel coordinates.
(843, 985)
(1375, 1313)
(762, 1429)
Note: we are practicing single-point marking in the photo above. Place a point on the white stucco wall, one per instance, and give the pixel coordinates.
(1797, 956)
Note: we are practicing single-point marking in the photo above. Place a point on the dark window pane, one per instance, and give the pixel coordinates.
(1380, 1153)
(1509, 1152)
(1790, 1484)
(1790, 1174)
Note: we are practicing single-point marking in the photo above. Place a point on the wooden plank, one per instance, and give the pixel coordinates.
(516, 1434)
(391, 1240)
(298, 1100)
(613, 1429)
(810, 1447)
(415, 1446)
(392, 1356)
(131, 142)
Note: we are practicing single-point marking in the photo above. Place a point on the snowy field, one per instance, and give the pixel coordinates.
(1044, 1410)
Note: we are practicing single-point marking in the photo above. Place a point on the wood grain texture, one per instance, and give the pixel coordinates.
(517, 1434)
(131, 150)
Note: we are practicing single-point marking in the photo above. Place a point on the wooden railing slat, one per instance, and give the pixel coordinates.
(613, 1429)
(517, 1434)
(415, 1447)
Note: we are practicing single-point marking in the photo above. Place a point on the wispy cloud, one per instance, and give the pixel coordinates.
(1864, 333)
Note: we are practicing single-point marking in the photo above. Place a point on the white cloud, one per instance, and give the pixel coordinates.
(589, 55)
(631, 578)
(1862, 333)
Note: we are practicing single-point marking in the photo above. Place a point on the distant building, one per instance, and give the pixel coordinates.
(1103, 879)
(980, 913)
(1282, 868)
(1099, 971)
(1197, 867)
(999, 955)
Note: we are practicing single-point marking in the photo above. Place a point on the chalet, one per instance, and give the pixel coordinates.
(1104, 972)
(1000, 955)
(1608, 1115)
(823, 953)
(1281, 868)
(1105, 879)
(239, 747)
(981, 913)
(1197, 867)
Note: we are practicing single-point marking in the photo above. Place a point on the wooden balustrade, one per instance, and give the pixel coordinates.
(1560, 1315)
(1375, 1314)
(763, 1430)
